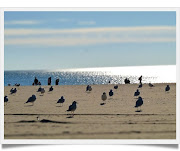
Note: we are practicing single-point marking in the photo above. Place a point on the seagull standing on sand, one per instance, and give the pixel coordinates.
(111, 93)
(13, 90)
(136, 93)
(61, 100)
(31, 99)
(72, 107)
(139, 102)
(140, 86)
(39, 90)
(151, 85)
(88, 88)
(51, 88)
(167, 88)
(104, 96)
(6, 99)
(42, 91)
(116, 87)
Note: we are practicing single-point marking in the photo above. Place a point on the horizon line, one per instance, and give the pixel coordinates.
(71, 69)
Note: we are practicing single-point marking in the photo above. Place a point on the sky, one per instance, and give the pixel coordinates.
(84, 39)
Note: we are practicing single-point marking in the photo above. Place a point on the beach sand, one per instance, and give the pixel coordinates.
(116, 119)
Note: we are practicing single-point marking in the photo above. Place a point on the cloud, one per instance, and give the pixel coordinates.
(86, 23)
(22, 22)
(89, 36)
(64, 20)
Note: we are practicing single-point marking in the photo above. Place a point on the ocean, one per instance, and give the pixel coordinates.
(84, 76)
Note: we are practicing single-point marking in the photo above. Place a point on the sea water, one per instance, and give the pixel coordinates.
(84, 76)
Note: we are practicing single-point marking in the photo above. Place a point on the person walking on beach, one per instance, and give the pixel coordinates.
(140, 79)
(35, 81)
(57, 81)
(49, 81)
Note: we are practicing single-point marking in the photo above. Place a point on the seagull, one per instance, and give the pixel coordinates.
(104, 96)
(88, 88)
(17, 84)
(139, 102)
(51, 88)
(72, 107)
(116, 87)
(61, 100)
(13, 90)
(151, 85)
(136, 93)
(39, 90)
(140, 86)
(38, 118)
(6, 99)
(31, 99)
(111, 93)
(167, 88)
(42, 91)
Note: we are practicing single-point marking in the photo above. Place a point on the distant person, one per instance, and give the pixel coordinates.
(39, 83)
(49, 81)
(57, 81)
(36, 81)
(140, 79)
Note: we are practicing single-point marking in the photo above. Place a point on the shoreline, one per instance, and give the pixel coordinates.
(90, 84)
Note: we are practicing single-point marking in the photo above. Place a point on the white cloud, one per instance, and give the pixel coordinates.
(22, 22)
(64, 20)
(146, 29)
(86, 23)
(89, 36)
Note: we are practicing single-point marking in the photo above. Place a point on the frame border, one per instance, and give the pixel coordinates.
(89, 141)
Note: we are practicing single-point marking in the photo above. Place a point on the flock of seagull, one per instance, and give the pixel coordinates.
(73, 106)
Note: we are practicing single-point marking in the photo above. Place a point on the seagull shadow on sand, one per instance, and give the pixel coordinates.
(102, 103)
(138, 111)
(28, 105)
(110, 99)
(70, 117)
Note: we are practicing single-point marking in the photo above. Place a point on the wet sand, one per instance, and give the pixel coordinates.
(116, 119)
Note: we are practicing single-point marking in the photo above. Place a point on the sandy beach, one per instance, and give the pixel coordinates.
(116, 119)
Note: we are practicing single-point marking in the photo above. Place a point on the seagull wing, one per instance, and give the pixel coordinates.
(70, 108)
